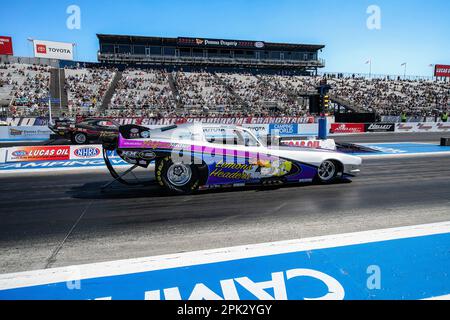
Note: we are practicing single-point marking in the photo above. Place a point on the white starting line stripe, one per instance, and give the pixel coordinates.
(131, 266)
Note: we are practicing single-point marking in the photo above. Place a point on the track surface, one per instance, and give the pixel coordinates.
(392, 137)
(52, 220)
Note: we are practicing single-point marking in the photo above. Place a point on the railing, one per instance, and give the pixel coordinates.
(347, 75)
(209, 60)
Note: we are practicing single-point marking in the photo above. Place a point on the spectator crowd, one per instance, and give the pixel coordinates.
(159, 93)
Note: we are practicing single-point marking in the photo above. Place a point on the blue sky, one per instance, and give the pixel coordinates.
(412, 31)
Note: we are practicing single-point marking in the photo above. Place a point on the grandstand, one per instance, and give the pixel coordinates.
(182, 77)
(159, 93)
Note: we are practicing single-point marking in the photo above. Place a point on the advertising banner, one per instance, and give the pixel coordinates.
(25, 133)
(2, 155)
(171, 121)
(202, 42)
(442, 70)
(53, 50)
(38, 153)
(87, 152)
(283, 129)
(6, 46)
(380, 127)
(309, 129)
(259, 130)
(328, 144)
(423, 127)
(348, 128)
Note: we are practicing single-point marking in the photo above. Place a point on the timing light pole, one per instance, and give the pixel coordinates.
(323, 125)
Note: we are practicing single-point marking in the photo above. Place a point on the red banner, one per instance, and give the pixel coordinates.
(442, 70)
(6, 47)
(213, 120)
(348, 128)
(43, 153)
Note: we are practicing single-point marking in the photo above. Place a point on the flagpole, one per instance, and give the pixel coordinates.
(50, 120)
(432, 71)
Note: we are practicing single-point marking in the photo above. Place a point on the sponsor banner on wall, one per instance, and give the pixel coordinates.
(86, 152)
(442, 70)
(2, 155)
(38, 153)
(309, 129)
(259, 130)
(423, 127)
(443, 127)
(283, 129)
(54, 153)
(53, 50)
(25, 133)
(6, 46)
(171, 121)
(380, 127)
(328, 144)
(348, 128)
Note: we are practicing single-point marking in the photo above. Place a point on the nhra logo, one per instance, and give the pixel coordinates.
(20, 153)
(87, 152)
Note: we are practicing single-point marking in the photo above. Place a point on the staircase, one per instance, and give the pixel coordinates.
(291, 95)
(175, 92)
(110, 92)
(238, 98)
(58, 92)
(346, 104)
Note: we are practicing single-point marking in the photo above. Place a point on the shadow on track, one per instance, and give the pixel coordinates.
(149, 189)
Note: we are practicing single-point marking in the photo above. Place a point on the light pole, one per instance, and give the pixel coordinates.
(369, 62)
(404, 73)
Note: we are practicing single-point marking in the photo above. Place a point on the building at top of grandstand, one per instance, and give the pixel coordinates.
(202, 52)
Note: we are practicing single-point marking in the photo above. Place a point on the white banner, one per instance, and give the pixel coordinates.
(25, 133)
(259, 130)
(423, 127)
(53, 50)
(2, 155)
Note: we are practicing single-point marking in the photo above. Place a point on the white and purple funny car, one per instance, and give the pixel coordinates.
(192, 156)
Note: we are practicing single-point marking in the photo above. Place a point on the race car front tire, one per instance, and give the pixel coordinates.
(329, 171)
(177, 178)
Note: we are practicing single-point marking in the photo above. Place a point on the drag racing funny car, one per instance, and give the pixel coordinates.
(192, 156)
(85, 131)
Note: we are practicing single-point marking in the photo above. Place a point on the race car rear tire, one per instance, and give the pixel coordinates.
(177, 178)
(329, 171)
(79, 138)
